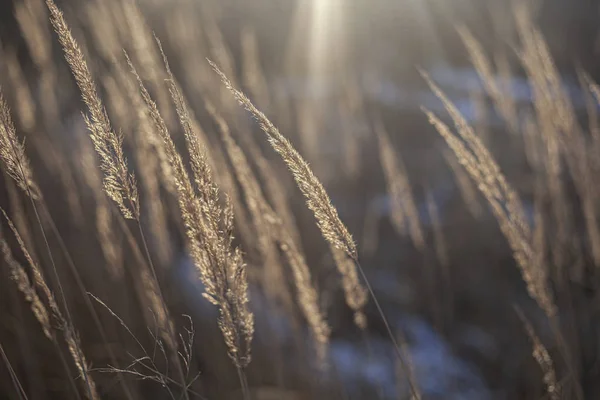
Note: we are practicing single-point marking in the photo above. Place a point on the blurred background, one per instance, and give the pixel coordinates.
(330, 74)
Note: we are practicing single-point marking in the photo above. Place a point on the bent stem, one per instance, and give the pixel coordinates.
(149, 264)
(163, 303)
(62, 293)
(82, 289)
(59, 285)
(71, 264)
(401, 358)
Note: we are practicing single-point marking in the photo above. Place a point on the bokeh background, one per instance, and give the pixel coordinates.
(332, 71)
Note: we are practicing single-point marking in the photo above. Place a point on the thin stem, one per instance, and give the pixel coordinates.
(81, 286)
(55, 270)
(152, 368)
(65, 364)
(403, 362)
(61, 291)
(243, 383)
(13, 375)
(150, 263)
(562, 345)
(163, 303)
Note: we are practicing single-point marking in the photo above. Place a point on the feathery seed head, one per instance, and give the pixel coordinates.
(12, 153)
(119, 183)
(332, 228)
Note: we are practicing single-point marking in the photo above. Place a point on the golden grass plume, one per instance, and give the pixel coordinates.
(317, 199)
(405, 216)
(41, 313)
(209, 232)
(271, 229)
(12, 153)
(503, 200)
(119, 183)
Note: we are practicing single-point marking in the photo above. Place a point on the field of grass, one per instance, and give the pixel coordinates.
(181, 222)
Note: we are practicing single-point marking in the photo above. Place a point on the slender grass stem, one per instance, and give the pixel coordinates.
(62, 293)
(163, 303)
(13, 375)
(401, 358)
(243, 383)
(82, 289)
(564, 350)
(51, 257)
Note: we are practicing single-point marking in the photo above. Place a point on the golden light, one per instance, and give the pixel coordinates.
(317, 38)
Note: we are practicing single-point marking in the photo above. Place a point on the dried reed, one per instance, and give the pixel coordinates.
(12, 153)
(41, 313)
(467, 189)
(542, 357)
(275, 283)
(405, 216)
(272, 230)
(441, 249)
(19, 275)
(332, 228)
(502, 100)
(119, 183)
(276, 191)
(503, 200)
(215, 158)
(328, 221)
(557, 127)
(209, 232)
(507, 211)
(17, 166)
(308, 297)
(355, 293)
(104, 220)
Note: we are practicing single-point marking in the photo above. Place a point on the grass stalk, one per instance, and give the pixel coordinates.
(13, 376)
(243, 382)
(404, 364)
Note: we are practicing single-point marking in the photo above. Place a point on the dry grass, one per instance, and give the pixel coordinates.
(201, 186)
(41, 312)
(119, 183)
(403, 209)
(209, 231)
(12, 153)
(271, 232)
(542, 357)
(502, 198)
(317, 200)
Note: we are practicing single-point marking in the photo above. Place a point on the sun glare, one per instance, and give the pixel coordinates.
(325, 35)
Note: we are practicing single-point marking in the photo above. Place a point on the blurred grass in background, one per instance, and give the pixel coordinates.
(341, 81)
